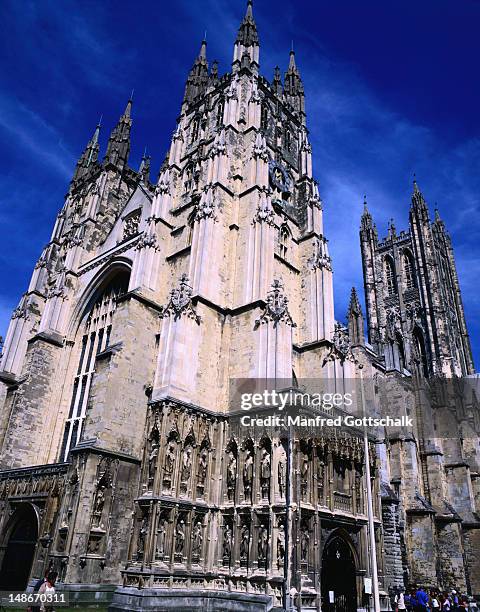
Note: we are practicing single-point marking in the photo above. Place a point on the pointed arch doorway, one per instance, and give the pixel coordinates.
(21, 539)
(338, 577)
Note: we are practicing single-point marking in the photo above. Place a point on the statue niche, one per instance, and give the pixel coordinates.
(202, 467)
(161, 541)
(180, 537)
(231, 462)
(282, 469)
(154, 449)
(244, 542)
(187, 460)
(265, 467)
(227, 542)
(169, 461)
(248, 469)
(197, 540)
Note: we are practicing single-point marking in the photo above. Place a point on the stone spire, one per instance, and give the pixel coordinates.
(118, 147)
(144, 169)
(355, 319)
(89, 155)
(419, 205)
(293, 85)
(197, 80)
(247, 41)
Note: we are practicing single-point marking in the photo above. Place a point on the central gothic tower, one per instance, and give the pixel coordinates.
(118, 456)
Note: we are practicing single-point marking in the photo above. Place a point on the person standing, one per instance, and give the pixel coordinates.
(422, 600)
(400, 601)
(48, 588)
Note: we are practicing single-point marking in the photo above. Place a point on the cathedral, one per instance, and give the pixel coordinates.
(122, 462)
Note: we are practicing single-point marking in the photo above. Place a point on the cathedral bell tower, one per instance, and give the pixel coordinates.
(414, 307)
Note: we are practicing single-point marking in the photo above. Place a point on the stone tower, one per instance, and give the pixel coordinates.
(414, 307)
(121, 464)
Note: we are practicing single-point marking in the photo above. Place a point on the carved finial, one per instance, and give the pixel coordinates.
(276, 307)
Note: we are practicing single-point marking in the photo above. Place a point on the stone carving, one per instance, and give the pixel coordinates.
(281, 472)
(280, 545)
(180, 537)
(180, 302)
(152, 461)
(320, 258)
(276, 308)
(265, 472)
(231, 475)
(161, 535)
(131, 224)
(186, 464)
(304, 475)
(206, 207)
(197, 540)
(168, 465)
(264, 213)
(304, 542)
(262, 544)
(142, 534)
(244, 541)
(248, 474)
(98, 504)
(227, 542)
(202, 468)
(260, 147)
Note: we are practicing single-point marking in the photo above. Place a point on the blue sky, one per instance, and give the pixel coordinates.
(392, 88)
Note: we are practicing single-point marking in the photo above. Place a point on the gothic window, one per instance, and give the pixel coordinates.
(390, 276)
(288, 140)
(283, 241)
(189, 228)
(409, 270)
(264, 117)
(195, 129)
(94, 334)
(220, 110)
(419, 347)
(401, 352)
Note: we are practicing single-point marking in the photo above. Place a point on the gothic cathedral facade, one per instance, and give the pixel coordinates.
(119, 464)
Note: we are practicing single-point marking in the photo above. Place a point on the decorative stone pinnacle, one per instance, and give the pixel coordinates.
(276, 307)
(180, 302)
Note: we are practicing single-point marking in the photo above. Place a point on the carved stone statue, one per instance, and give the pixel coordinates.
(248, 474)
(168, 465)
(281, 475)
(231, 475)
(244, 541)
(186, 464)
(304, 540)
(99, 504)
(197, 539)
(180, 537)
(161, 533)
(202, 467)
(142, 533)
(262, 543)
(227, 541)
(281, 546)
(304, 475)
(152, 461)
(265, 473)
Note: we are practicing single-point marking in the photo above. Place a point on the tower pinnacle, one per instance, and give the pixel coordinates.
(247, 41)
(197, 80)
(89, 155)
(293, 86)
(118, 147)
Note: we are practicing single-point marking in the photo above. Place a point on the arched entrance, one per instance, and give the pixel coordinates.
(18, 557)
(338, 577)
